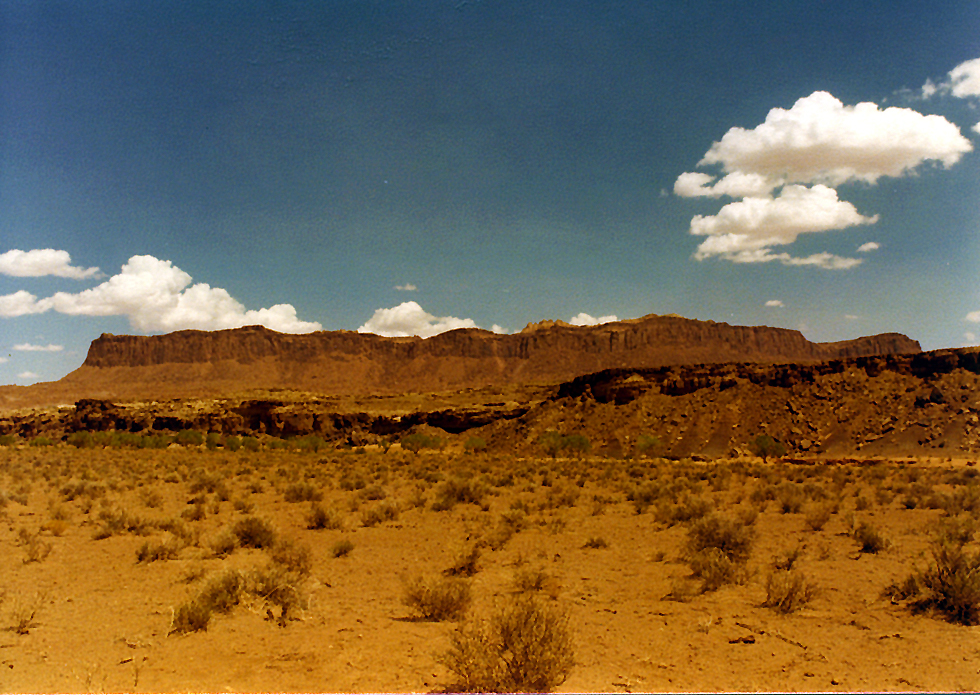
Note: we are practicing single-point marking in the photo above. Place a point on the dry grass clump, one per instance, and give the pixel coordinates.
(532, 578)
(380, 513)
(465, 560)
(787, 591)
(23, 612)
(36, 548)
(717, 548)
(220, 594)
(869, 538)
(442, 598)
(342, 548)
(525, 646)
(302, 492)
(320, 517)
(254, 532)
(167, 548)
(458, 491)
(951, 585)
(818, 514)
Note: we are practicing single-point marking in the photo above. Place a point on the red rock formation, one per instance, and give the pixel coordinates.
(345, 362)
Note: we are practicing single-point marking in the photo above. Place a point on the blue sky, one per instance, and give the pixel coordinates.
(410, 167)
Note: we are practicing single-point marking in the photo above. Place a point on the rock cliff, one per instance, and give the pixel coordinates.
(190, 363)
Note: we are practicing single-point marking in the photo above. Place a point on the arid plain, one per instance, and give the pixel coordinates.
(757, 513)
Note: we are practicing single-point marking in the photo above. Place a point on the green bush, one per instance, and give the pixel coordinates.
(251, 444)
(189, 438)
(765, 446)
(476, 445)
(233, 443)
(419, 440)
(80, 440)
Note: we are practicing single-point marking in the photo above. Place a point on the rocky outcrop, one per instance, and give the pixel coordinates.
(199, 363)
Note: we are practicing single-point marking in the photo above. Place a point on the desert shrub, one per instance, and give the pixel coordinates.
(715, 531)
(465, 560)
(251, 444)
(442, 598)
(120, 521)
(189, 438)
(458, 490)
(8, 440)
(817, 515)
(224, 543)
(645, 495)
(550, 442)
(869, 538)
(165, 549)
(221, 593)
(419, 440)
(374, 492)
(42, 441)
(476, 445)
(647, 445)
(23, 612)
(379, 513)
(195, 512)
(233, 443)
(958, 530)
(715, 569)
(951, 585)
(293, 557)
(212, 441)
(525, 646)
(765, 446)
(320, 517)
(36, 549)
(787, 591)
(690, 508)
(341, 548)
(81, 440)
(534, 577)
(596, 542)
(577, 444)
(253, 532)
(302, 492)
(791, 498)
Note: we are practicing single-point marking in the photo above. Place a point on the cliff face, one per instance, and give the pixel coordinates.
(344, 362)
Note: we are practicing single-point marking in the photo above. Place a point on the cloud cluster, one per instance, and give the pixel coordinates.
(407, 287)
(784, 172)
(156, 295)
(410, 319)
(42, 262)
(27, 347)
(774, 302)
(584, 319)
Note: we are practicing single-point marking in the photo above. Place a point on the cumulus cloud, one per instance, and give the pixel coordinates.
(410, 319)
(869, 246)
(407, 287)
(584, 319)
(784, 170)
(156, 295)
(774, 302)
(964, 79)
(41, 262)
(745, 231)
(27, 375)
(820, 140)
(22, 303)
(973, 317)
(851, 317)
(976, 128)
(27, 347)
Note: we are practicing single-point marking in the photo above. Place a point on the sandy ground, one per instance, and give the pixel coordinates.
(81, 614)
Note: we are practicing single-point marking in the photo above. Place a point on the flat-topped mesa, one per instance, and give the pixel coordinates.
(347, 362)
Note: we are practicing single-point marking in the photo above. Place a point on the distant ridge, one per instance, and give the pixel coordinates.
(201, 363)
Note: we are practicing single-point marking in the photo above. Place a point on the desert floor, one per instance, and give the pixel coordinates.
(101, 548)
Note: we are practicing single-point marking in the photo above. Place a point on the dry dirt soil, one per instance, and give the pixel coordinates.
(103, 553)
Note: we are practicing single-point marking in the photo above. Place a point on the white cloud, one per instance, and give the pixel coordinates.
(869, 246)
(802, 152)
(156, 295)
(971, 337)
(41, 262)
(851, 317)
(495, 328)
(964, 79)
(820, 140)
(408, 319)
(973, 317)
(21, 303)
(774, 302)
(584, 319)
(745, 230)
(3, 360)
(27, 347)
(27, 375)
(929, 89)
(407, 287)
(976, 128)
